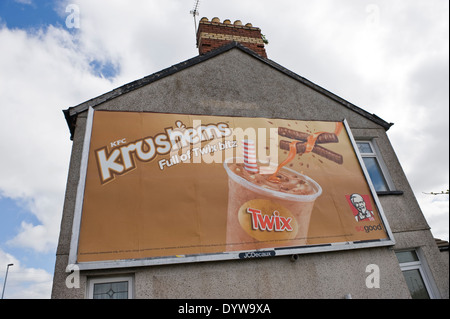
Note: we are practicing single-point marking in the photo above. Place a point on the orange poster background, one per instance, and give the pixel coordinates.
(182, 210)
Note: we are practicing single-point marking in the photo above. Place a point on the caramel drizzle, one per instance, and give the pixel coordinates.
(292, 151)
(310, 143)
(338, 129)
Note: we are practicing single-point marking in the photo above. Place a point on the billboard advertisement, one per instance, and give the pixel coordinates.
(167, 188)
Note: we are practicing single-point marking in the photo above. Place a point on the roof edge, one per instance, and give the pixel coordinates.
(71, 113)
(373, 117)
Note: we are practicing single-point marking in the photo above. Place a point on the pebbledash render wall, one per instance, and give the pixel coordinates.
(234, 81)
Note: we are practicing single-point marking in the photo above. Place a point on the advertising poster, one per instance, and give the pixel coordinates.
(174, 186)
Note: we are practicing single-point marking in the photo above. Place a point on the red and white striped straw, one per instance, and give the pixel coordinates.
(250, 156)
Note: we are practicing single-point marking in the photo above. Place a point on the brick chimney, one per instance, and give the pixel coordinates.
(214, 34)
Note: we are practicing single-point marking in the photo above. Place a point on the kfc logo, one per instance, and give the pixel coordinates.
(361, 207)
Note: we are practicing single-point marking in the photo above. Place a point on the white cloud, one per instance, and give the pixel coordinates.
(142, 38)
(42, 73)
(24, 282)
(436, 209)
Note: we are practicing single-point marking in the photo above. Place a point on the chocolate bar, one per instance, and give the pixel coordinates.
(301, 136)
(317, 149)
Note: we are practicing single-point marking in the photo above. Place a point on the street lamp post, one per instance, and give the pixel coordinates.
(6, 277)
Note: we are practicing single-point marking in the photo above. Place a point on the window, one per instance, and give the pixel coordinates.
(375, 166)
(415, 274)
(110, 288)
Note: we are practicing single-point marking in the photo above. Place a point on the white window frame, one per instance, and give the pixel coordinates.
(377, 155)
(112, 279)
(424, 271)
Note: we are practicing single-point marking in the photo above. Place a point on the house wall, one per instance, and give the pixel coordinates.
(236, 84)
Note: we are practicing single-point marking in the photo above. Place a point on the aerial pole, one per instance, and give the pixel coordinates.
(195, 13)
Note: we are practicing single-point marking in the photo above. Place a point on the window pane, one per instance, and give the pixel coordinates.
(364, 147)
(120, 295)
(101, 288)
(114, 290)
(375, 174)
(406, 256)
(415, 284)
(119, 286)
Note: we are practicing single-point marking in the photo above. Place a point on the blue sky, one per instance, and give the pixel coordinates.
(29, 14)
(32, 15)
(385, 56)
(14, 213)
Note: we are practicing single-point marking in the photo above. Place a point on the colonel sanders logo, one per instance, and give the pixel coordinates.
(361, 207)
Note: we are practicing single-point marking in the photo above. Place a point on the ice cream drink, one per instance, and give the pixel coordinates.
(267, 212)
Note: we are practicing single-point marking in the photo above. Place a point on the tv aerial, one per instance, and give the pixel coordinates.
(195, 13)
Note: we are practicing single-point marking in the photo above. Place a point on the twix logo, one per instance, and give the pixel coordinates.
(269, 223)
(122, 156)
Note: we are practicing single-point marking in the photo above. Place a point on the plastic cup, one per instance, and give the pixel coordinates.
(245, 197)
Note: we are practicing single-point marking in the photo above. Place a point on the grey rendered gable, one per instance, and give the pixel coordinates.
(230, 81)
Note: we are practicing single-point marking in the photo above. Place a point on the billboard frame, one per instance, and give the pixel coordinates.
(247, 254)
